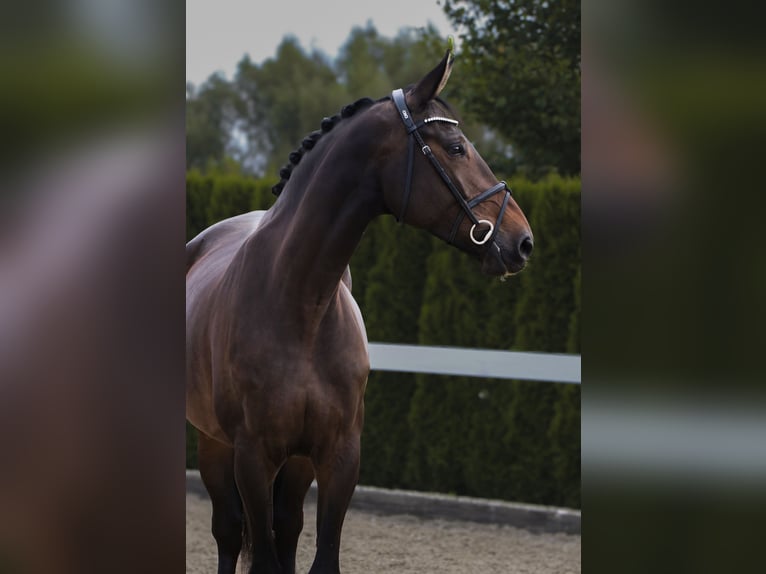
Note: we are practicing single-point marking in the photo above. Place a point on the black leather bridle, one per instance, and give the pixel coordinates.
(466, 205)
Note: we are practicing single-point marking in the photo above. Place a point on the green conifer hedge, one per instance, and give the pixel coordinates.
(515, 440)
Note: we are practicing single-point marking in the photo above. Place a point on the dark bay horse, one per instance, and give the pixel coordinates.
(277, 357)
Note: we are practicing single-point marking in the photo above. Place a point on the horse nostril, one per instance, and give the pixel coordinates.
(526, 246)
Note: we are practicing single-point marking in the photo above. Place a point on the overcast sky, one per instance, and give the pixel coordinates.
(220, 32)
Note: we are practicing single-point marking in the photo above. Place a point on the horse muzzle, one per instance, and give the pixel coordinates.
(504, 258)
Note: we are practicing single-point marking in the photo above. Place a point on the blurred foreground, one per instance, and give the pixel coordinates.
(91, 288)
(674, 421)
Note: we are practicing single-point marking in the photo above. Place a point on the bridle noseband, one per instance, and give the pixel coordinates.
(466, 205)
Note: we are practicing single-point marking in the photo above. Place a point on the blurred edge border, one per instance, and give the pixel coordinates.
(91, 287)
(673, 421)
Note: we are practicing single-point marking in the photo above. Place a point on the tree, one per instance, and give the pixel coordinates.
(372, 65)
(210, 118)
(520, 73)
(283, 99)
(360, 63)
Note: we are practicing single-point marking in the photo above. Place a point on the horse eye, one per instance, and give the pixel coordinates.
(456, 149)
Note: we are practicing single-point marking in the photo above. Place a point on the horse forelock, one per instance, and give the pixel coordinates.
(441, 107)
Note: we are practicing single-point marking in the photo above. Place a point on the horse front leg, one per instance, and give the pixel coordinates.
(290, 487)
(216, 466)
(337, 475)
(255, 472)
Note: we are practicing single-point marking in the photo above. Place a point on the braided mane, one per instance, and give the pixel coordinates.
(310, 140)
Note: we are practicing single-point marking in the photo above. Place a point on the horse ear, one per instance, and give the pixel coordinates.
(432, 83)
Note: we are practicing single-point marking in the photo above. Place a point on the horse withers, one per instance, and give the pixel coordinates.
(277, 356)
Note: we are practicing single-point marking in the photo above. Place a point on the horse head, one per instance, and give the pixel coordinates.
(433, 178)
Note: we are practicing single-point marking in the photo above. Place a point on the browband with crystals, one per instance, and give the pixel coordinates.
(440, 119)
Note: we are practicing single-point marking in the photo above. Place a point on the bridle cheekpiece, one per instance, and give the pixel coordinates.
(466, 205)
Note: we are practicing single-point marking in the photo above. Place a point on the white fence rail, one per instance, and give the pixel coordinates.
(624, 437)
(552, 367)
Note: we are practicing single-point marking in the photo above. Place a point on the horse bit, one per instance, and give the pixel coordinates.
(466, 205)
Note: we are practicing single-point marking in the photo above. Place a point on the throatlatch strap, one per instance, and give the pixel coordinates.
(408, 181)
(404, 113)
(410, 127)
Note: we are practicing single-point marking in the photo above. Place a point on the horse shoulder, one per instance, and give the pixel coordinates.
(346, 278)
(353, 308)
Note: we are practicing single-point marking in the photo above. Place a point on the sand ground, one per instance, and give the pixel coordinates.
(401, 544)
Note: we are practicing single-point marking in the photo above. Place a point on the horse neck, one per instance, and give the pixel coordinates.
(320, 218)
